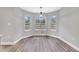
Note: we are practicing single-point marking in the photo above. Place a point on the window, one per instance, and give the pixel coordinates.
(53, 22)
(27, 22)
(40, 22)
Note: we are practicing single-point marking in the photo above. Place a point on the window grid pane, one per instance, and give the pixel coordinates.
(27, 22)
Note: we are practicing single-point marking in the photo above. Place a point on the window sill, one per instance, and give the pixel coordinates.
(27, 30)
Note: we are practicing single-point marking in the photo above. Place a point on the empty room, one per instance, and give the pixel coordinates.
(39, 29)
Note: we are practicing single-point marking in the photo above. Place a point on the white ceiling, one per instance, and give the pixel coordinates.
(44, 9)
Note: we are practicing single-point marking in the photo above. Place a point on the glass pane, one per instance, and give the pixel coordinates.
(40, 23)
(53, 22)
(27, 22)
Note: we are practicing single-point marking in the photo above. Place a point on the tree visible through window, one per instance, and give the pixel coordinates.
(40, 22)
(53, 22)
(27, 22)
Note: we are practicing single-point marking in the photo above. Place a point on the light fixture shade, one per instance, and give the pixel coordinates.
(44, 9)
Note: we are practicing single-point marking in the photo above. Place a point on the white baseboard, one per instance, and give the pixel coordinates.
(21, 38)
(7, 43)
(73, 46)
(13, 43)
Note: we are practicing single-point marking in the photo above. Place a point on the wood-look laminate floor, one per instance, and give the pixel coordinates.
(38, 44)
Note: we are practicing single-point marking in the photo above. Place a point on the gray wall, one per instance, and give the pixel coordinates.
(10, 24)
(33, 29)
(69, 24)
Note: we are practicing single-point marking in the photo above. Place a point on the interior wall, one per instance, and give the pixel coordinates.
(33, 29)
(10, 24)
(53, 32)
(69, 24)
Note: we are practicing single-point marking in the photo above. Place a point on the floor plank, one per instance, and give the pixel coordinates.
(38, 44)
